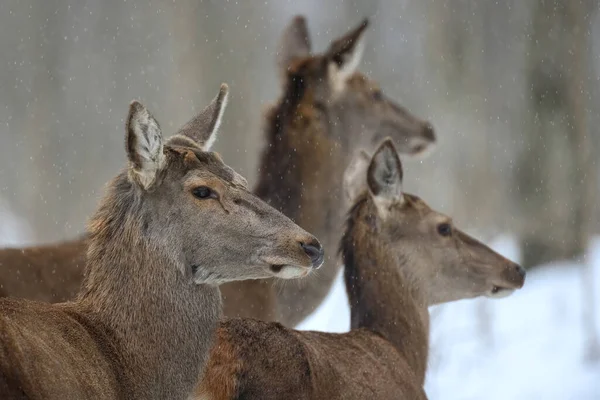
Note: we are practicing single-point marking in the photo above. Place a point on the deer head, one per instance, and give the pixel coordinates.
(450, 264)
(220, 231)
(355, 105)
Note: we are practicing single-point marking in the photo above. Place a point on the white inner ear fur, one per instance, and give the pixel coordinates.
(339, 75)
(389, 180)
(212, 136)
(384, 203)
(355, 175)
(148, 147)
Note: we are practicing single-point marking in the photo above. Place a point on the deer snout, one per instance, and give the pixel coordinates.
(511, 279)
(423, 143)
(428, 132)
(315, 252)
(513, 276)
(520, 273)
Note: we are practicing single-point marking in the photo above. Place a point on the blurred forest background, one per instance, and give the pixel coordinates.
(511, 87)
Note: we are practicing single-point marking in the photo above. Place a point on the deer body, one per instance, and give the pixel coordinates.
(296, 179)
(51, 273)
(116, 341)
(397, 253)
(172, 226)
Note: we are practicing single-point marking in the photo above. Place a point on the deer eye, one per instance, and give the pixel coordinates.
(444, 229)
(377, 95)
(204, 192)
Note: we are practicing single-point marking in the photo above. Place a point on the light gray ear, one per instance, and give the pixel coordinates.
(294, 44)
(355, 175)
(344, 55)
(204, 127)
(384, 176)
(144, 145)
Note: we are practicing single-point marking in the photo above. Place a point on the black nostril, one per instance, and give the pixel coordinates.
(521, 271)
(429, 132)
(315, 252)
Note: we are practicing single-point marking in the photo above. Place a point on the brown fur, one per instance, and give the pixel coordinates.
(389, 279)
(51, 273)
(144, 319)
(311, 134)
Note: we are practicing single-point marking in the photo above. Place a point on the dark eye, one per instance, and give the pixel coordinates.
(203, 192)
(444, 229)
(377, 95)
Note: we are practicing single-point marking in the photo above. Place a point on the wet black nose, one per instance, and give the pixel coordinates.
(429, 132)
(315, 252)
(521, 271)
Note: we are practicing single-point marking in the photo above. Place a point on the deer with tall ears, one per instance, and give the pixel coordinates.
(172, 226)
(327, 111)
(400, 256)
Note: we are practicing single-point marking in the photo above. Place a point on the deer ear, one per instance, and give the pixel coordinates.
(294, 44)
(203, 128)
(344, 55)
(384, 176)
(355, 175)
(144, 145)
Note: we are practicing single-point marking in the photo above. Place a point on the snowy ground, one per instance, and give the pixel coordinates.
(531, 345)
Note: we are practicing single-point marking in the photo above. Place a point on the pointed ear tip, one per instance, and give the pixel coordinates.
(299, 19)
(365, 23)
(223, 92)
(387, 144)
(135, 105)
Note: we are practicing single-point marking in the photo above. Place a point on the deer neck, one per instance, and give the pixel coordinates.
(383, 295)
(163, 323)
(301, 170)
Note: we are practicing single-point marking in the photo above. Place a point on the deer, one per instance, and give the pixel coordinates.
(172, 226)
(400, 257)
(327, 112)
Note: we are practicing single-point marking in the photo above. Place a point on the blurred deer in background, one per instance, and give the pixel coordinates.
(173, 225)
(400, 256)
(327, 112)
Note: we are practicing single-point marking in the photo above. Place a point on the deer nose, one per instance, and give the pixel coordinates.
(429, 132)
(315, 252)
(516, 274)
(520, 271)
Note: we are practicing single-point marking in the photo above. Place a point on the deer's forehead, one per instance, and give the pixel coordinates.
(422, 214)
(211, 172)
(416, 203)
(307, 66)
(204, 163)
(361, 82)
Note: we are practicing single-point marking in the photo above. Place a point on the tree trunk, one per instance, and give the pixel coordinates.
(553, 169)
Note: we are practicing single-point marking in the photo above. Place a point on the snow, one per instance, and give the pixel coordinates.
(13, 230)
(531, 345)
